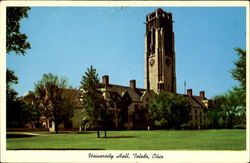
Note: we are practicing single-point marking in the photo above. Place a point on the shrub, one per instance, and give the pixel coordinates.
(240, 126)
(185, 126)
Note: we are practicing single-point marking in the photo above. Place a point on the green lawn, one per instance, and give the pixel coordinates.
(137, 140)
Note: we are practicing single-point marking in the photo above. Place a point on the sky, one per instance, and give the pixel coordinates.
(67, 40)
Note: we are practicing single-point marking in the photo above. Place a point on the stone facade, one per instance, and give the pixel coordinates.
(140, 100)
(198, 114)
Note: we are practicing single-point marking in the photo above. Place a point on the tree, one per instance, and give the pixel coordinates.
(227, 107)
(214, 112)
(94, 105)
(11, 79)
(239, 72)
(181, 108)
(231, 106)
(15, 40)
(160, 109)
(54, 98)
(169, 110)
(19, 113)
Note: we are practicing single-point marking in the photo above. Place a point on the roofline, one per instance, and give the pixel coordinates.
(143, 89)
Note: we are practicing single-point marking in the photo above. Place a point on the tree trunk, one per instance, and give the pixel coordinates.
(98, 133)
(116, 119)
(105, 128)
(105, 133)
(57, 127)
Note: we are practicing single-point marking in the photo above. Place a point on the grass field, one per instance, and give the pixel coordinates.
(136, 140)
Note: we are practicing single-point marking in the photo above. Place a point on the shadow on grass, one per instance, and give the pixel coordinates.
(57, 149)
(86, 132)
(19, 135)
(111, 137)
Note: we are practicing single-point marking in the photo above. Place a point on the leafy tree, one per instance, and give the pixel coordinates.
(181, 108)
(11, 79)
(15, 40)
(11, 97)
(239, 72)
(13, 106)
(53, 97)
(231, 106)
(227, 107)
(94, 105)
(160, 109)
(214, 113)
(19, 113)
(169, 110)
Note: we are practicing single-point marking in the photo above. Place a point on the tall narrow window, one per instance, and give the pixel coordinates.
(152, 43)
(160, 86)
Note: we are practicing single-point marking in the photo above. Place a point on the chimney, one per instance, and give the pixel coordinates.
(202, 94)
(105, 80)
(190, 92)
(133, 84)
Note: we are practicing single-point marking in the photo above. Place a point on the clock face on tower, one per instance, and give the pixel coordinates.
(152, 62)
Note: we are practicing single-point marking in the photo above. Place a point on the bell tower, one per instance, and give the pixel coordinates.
(159, 52)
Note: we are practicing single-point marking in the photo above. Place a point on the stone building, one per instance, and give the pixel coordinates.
(160, 76)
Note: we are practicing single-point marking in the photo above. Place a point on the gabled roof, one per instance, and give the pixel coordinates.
(75, 93)
(150, 93)
(196, 101)
(135, 94)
